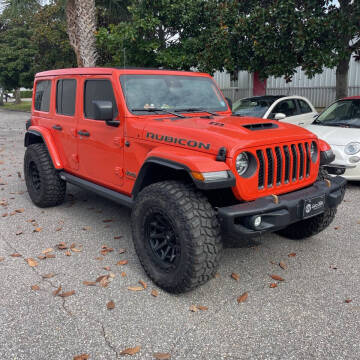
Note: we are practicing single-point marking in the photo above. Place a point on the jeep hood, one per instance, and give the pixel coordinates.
(208, 134)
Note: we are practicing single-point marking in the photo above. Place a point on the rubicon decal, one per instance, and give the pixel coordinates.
(180, 141)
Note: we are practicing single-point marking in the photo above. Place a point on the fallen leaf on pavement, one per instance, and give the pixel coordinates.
(235, 276)
(107, 268)
(62, 246)
(242, 298)
(122, 262)
(68, 253)
(19, 210)
(4, 215)
(67, 293)
(143, 284)
(89, 283)
(41, 257)
(292, 254)
(82, 357)
(107, 220)
(74, 249)
(56, 292)
(135, 288)
(18, 233)
(131, 351)
(154, 293)
(202, 308)
(162, 356)
(58, 229)
(193, 308)
(38, 229)
(217, 275)
(277, 277)
(121, 251)
(48, 276)
(273, 285)
(283, 265)
(348, 301)
(86, 228)
(50, 256)
(2, 258)
(48, 250)
(118, 237)
(15, 255)
(123, 274)
(110, 305)
(102, 277)
(99, 258)
(32, 262)
(35, 287)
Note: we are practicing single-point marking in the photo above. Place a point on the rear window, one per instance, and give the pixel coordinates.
(98, 90)
(304, 107)
(42, 95)
(66, 97)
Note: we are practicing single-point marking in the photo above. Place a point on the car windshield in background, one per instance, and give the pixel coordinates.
(171, 92)
(344, 113)
(252, 107)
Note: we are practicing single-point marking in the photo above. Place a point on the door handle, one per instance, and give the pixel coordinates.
(57, 127)
(83, 133)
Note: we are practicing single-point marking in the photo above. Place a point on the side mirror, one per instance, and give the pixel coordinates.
(279, 116)
(103, 110)
(229, 102)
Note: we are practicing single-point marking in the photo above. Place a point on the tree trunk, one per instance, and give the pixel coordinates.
(86, 12)
(1, 97)
(17, 96)
(342, 78)
(81, 27)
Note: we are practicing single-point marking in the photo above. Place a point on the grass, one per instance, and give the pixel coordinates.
(23, 106)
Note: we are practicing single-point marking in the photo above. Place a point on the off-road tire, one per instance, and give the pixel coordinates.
(197, 231)
(52, 188)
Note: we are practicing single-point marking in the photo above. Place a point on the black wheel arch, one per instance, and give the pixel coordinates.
(33, 137)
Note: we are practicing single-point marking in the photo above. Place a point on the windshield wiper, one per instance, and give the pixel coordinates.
(163, 110)
(198, 110)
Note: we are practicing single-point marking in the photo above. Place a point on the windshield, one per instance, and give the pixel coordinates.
(171, 92)
(342, 113)
(251, 107)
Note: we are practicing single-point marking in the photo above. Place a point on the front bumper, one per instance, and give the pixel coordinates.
(236, 220)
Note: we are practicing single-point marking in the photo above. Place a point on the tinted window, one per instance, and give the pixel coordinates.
(304, 107)
(256, 107)
(42, 95)
(287, 107)
(98, 90)
(66, 96)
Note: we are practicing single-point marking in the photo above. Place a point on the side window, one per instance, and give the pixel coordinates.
(98, 90)
(42, 95)
(66, 97)
(304, 107)
(287, 107)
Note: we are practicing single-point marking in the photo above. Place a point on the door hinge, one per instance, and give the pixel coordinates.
(119, 171)
(119, 141)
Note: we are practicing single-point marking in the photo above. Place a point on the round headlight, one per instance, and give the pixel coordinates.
(242, 163)
(313, 151)
(352, 148)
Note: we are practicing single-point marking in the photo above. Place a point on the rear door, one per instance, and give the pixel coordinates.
(100, 146)
(64, 121)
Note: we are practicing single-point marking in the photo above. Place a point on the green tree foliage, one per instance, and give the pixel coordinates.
(50, 40)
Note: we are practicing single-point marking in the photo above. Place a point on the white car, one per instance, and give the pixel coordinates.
(339, 126)
(295, 110)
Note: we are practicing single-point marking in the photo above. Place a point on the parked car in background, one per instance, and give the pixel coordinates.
(295, 110)
(339, 125)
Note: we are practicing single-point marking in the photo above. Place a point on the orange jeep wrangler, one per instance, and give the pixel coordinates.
(166, 144)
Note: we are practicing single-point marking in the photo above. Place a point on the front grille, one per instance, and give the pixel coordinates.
(284, 164)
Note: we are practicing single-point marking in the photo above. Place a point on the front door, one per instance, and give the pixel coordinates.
(100, 146)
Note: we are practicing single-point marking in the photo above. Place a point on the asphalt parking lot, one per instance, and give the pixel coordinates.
(313, 314)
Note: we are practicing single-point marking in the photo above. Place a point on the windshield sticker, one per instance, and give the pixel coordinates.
(180, 141)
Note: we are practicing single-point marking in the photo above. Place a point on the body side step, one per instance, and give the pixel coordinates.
(100, 190)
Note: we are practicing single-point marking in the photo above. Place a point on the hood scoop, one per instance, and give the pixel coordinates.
(261, 126)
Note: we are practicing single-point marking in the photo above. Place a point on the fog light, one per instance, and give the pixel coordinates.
(256, 221)
(354, 159)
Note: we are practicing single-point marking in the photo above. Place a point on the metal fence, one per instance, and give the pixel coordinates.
(319, 96)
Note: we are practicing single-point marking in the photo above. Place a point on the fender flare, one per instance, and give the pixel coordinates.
(46, 137)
